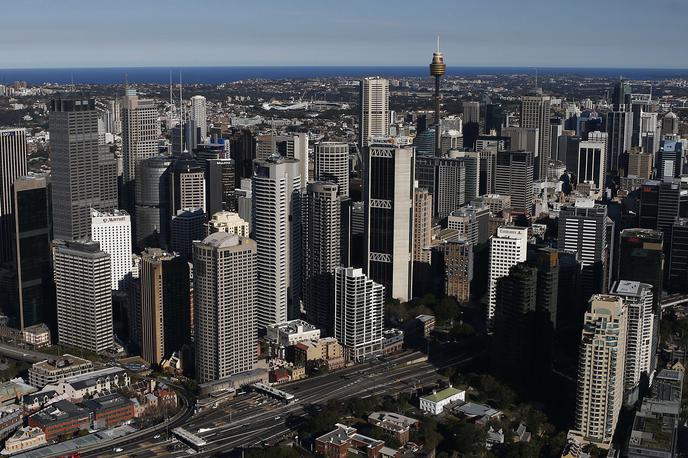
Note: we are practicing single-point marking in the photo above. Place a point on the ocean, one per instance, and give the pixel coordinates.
(216, 75)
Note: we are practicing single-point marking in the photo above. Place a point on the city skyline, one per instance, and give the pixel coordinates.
(312, 33)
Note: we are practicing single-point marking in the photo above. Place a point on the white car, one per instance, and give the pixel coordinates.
(118, 449)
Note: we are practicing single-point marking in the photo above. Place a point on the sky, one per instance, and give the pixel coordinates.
(544, 33)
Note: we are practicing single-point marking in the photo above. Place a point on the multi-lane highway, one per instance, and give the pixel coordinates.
(252, 419)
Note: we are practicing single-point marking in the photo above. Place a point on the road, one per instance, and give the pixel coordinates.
(29, 356)
(251, 419)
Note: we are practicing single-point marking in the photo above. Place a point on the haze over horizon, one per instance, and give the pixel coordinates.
(74, 34)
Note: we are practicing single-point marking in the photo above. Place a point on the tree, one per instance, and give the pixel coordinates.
(447, 309)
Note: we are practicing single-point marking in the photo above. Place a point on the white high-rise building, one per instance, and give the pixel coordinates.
(84, 296)
(199, 117)
(276, 213)
(638, 300)
(374, 109)
(332, 164)
(358, 313)
(507, 248)
(592, 163)
(388, 196)
(113, 231)
(224, 305)
(601, 369)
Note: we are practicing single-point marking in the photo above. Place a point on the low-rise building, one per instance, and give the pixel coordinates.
(394, 424)
(392, 341)
(53, 371)
(36, 401)
(26, 438)
(11, 418)
(477, 413)
(105, 380)
(427, 323)
(12, 391)
(438, 400)
(338, 443)
(60, 419)
(109, 411)
(37, 335)
(291, 332)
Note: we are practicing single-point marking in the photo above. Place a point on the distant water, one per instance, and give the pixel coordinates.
(215, 75)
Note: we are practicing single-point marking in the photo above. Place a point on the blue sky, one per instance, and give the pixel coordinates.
(579, 33)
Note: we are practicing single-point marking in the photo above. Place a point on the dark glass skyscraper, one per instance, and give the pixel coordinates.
(32, 236)
(641, 259)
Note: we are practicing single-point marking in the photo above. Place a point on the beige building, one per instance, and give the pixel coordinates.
(227, 222)
(24, 439)
(374, 120)
(164, 315)
(53, 371)
(224, 305)
(495, 202)
(457, 255)
(601, 369)
(640, 164)
(422, 225)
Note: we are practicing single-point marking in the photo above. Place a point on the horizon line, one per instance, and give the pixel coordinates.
(533, 67)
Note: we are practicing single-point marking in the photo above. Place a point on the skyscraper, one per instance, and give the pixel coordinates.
(186, 226)
(637, 298)
(388, 195)
(535, 113)
(332, 164)
(76, 177)
(661, 202)
(152, 202)
(592, 163)
(522, 326)
(165, 308)
(445, 179)
(84, 296)
(495, 118)
(601, 369)
(641, 259)
(358, 313)
(621, 96)
(640, 164)
(187, 184)
(507, 248)
(422, 225)
(583, 230)
(321, 253)
(242, 148)
(472, 222)
(32, 236)
(13, 164)
(140, 132)
(678, 258)
(619, 130)
(514, 177)
(374, 120)
(220, 185)
(670, 124)
(277, 231)
(199, 117)
(224, 305)
(471, 112)
(113, 231)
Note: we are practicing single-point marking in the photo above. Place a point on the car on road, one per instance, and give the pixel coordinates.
(157, 436)
(277, 418)
(118, 449)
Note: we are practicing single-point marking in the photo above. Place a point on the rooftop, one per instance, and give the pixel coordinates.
(58, 412)
(442, 395)
(339, 436)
